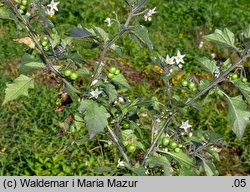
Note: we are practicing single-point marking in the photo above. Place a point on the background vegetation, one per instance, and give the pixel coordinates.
(32, 143)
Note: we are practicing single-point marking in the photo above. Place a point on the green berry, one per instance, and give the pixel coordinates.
(46, 48)
(131, 148)
(24, 2)
(125, 125)
(194, 89)
(184, 83)
(117, 71)
(234, 76)
(44, 42)
(67, 72)
(23, 7)
(177, 150)
(244, 80)
(74, 75)
(110, 75)
(112, 69)
(191, 85)
(21, 11)
(172, 145)
(165, 141)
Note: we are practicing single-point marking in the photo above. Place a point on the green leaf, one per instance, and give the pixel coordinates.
(6, 14)
(140, 171)
(155, 103)
(182, 157)
(83, 72)
(206, 64)
(141, 34)
(121, 81)
(32, 66)
(70, 88)
(125, 109)
(31, 63)
(244, 88)
(95, 116)
(55, 40)
(111, 92)
(226, 65)
(128, 135)
(224, 38)
(117, 50)
(80, 32)
(99, 31)
(160, 161)
(238, 115)
(19, 87)
(246, 32)
(78, 121)
(209, 167)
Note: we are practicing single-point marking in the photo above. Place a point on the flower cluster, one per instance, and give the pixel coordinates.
(178, 59)
(149, 14)
(53, 8)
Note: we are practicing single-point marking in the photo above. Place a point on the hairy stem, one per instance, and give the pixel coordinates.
(218, 80)
(106, 47)
(27, 26)
(116, 140)
(150, 150)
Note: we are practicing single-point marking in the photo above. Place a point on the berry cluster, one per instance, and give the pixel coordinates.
(72, 74)
(191, 85)
(169, 144)
(112, 72)
(45, 44)
(23, 7)
(235, 76)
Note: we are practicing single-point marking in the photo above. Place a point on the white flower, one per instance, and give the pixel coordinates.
(108, 20)
(93, 82)
(120, 163)
(169, 60)
(148, 15)
(53, 5)
(146, 172)
(51, 12)
(185, 125)
(179, 58)
(95, 93)
(151, 12)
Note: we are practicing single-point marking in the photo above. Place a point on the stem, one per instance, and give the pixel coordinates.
(119, 145)
(217, 80)
(150, 150)
(27, 26)
(168, 90)
(107, 47)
